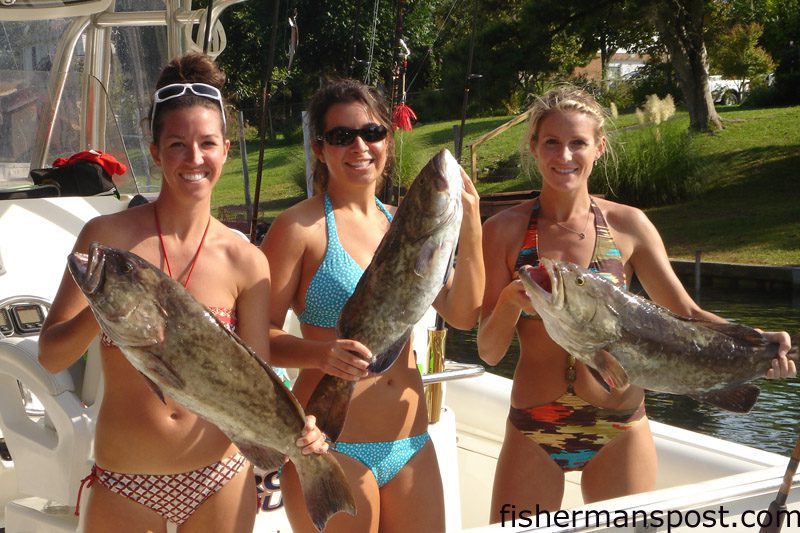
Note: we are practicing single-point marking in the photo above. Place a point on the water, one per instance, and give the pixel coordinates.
(773, 423)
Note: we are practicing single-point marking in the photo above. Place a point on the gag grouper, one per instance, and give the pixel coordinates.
(408, 270)
(189, 355)
(629, 339)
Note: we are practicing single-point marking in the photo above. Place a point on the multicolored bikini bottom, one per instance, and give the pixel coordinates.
(572, 430)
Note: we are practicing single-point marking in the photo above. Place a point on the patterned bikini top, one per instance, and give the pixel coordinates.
(226, 315)
(606, 258)
(335, 279)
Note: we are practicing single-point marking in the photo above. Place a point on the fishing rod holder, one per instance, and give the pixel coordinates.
(440, 371)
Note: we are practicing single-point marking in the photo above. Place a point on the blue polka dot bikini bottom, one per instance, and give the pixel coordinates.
(384, 459)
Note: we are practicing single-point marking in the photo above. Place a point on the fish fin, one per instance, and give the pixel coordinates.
(266, 458)
(325, 488)
(738, 331)
(425, 257)
(383, 361)
(599, 378)
(165, 373)
(737, 399)
(329, 403)
(155, 388)
(610, 370)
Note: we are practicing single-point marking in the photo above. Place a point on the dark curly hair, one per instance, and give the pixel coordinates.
(193, 67)
(345, 90)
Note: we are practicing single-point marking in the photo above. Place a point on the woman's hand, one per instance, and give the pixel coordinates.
(514, 295)
(782, 366)
(346, 359)
(312, 440)
(470, 203)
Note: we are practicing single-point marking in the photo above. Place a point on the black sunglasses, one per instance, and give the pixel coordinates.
(341, 136)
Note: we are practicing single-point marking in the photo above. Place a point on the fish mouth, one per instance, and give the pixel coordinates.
(87, 269)
(542, 282)
(450, 176)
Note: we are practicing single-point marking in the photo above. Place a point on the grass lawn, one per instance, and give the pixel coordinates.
(750, 212)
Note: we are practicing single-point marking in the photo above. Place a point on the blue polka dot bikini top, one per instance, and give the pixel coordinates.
(335, 279)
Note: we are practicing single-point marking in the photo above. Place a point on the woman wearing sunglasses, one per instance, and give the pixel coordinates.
(156, 461)
(318, 250)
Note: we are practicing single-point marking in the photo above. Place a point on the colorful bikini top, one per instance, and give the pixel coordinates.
(335, 279)
(225, 315)
(606, 259)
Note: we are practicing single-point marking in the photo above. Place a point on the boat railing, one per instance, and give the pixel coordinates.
(453, 371)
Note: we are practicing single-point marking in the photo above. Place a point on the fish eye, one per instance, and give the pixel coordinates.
(579, 280)
(127, 267)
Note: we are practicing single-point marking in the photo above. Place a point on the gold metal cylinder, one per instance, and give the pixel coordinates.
(433, 392)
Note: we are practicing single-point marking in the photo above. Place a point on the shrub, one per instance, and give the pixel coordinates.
(654, 166)
(619, 93)
(656, 110)
(654, 78)
(763, 96)
(787, 85)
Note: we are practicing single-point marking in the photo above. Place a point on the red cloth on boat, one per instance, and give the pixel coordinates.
(108, 162)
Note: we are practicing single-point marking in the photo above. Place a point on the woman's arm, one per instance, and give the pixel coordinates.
(504, 297)
(284, 247)
(651, 264)
(252, 302)
(459, 301)
(70, 324)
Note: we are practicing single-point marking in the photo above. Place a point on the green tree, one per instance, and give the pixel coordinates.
(739, 55)
(680, 26)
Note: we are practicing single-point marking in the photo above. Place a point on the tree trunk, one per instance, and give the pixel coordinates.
(680, 26)
(605, 57)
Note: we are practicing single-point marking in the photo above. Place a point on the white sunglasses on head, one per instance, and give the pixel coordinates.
(175, 90)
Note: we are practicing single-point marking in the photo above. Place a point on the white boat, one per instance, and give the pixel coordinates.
(47, 421)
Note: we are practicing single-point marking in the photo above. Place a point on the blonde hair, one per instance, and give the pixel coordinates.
(565, 97)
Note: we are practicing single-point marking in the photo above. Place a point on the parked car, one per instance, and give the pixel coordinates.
(727, 92)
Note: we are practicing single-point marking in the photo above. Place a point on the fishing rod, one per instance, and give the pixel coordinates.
(266, 94)
(437, 335)
(777, 509)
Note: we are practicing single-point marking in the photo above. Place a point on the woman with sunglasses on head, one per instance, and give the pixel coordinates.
(561, 418)
(318, 250)
(148, 449)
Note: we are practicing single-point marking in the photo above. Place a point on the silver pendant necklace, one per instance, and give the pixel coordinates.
(581, 234)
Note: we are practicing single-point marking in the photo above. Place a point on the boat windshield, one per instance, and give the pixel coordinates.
(45, 114)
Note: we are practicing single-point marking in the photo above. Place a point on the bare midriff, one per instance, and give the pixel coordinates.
(540, 376)
(138, 433)
(383, 407)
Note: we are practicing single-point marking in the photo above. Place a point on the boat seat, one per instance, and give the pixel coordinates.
(52, 450)
(35, 191)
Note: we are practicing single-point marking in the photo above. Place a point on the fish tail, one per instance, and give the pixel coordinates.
(325, 488)
(329, 403)
(795, 346)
